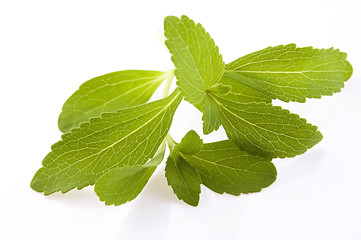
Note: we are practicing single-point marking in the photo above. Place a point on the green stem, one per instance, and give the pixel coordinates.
(171, 143)
(170, 76)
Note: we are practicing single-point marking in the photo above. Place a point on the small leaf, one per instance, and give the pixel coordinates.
(183, 179)
(108, 93)
(181, 176)
(219, 89)
(290, 73)
(211, 115)
(191, 143)
(127, 137)
(226, 169)
(266, 130)
(195, 55)
(123, 184)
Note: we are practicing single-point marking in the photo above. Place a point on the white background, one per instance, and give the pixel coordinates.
(48, 48)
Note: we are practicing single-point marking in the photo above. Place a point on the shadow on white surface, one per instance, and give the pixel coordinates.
(150, 211)
(84, 198)
(158, 214)
(294, 169)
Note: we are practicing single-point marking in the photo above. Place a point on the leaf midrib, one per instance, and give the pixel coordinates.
(116, 98)
(141, 126)
(228, 167)
(113, 144)
(282, 72)
(259, 127)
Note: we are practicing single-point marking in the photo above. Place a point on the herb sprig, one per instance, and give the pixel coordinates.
(114, 138)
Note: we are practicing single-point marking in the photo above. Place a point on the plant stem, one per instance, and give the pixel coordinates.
(170, 142)
(170, 76)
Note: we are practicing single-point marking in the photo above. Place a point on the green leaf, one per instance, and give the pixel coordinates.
(123, 184)
(211, 115)
(237, 92)
(220, 89)
(224, 168)
(195, 55)
(183, 179)
(290, 73)
(241, 93)
(181, 176)
(109, 93)
(116, 140)
(190, 144)
(266, 130)
(127, 137)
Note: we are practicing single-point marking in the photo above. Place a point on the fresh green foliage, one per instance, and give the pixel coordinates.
(109, 93)
(211, 115)
(266, 130)
(241, 93)
(234, 92)
(181, 176)
(127, 137)
(290, 73)
(220, 88)
(190, 144)
(115, 140)
(123, 184)
(184, 179)
(226, 169)
(195, 55)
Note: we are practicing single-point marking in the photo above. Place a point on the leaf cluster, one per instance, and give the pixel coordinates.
(114, 138)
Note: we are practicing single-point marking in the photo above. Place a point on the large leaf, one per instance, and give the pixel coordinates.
(127, 137)
(290, 73)
(195, 55)
(226, 169)
(123, 184)
(266, 130)
(108, 93)
(181, 176)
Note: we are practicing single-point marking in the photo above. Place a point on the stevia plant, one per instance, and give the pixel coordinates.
(114, 138)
